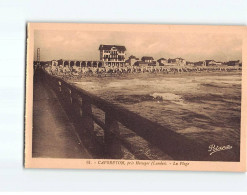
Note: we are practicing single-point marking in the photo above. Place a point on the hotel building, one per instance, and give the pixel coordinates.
(112, 55)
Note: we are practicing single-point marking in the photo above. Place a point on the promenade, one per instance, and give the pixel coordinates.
(53, 134)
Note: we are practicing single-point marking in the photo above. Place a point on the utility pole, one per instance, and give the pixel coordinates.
(38, 56)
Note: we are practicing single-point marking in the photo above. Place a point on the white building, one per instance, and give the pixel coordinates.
(112, 55)
(177, 61)
(131, 61)
(162, 61)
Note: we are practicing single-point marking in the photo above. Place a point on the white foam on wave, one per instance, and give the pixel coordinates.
(84, 82)
(124, 83)
(167, 96)
(162, 84)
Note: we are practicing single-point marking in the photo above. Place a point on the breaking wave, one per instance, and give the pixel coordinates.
(166, 96)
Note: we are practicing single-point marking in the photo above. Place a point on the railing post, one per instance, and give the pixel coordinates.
(64, 95)
(76, 106)
(112, 144)
(60, 87)
(86, 116)
(87, 127)
(72, 106)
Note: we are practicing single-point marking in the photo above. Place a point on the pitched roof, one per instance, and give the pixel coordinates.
(108, 47)
(147, 58)
(234, 61)
(161, 59)
(171, 60)
(133, 57)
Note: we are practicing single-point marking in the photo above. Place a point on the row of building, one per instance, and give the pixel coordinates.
(115, 56)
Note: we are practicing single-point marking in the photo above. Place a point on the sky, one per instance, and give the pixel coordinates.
(84, 45)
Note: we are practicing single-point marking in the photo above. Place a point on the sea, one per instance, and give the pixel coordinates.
(205, 107)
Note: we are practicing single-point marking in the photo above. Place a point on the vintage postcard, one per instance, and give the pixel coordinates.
(136, 96)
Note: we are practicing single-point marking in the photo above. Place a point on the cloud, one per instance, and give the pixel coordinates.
(191, 46)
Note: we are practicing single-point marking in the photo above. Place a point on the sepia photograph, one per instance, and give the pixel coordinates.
(134, 96)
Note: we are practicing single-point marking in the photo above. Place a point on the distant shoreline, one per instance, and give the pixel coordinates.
(77, 74)
(153, 75)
